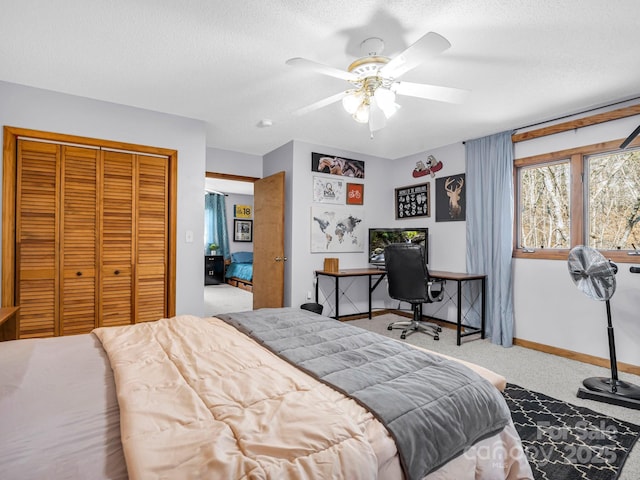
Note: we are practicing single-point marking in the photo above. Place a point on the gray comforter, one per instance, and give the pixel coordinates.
(433, 407)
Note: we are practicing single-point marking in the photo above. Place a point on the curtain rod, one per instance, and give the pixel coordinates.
(578, 113)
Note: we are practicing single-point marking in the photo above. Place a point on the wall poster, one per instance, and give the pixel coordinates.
(451, 198)
(328, 190)
(413, 201)
(337, 166)
(337, 229)
(242, 211)
(242, 230)
(355, 194)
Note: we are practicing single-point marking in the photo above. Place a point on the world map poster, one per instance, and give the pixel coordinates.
(337, 229)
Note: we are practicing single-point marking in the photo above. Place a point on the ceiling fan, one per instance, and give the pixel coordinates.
(371, 98)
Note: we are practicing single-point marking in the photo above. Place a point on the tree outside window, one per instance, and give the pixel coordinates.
(584, 196)
(613, 198)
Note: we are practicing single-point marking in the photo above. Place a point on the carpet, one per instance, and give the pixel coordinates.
(565, 441)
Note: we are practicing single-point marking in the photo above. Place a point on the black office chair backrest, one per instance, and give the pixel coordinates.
(407, 273)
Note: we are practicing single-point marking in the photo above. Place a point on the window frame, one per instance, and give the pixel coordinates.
(577, 198)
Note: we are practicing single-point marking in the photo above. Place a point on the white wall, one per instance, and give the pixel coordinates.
(447, 240)
(233, 163)
(377, 210)
(281, 160)
(230, 201)
(37, 109)
(549, 309)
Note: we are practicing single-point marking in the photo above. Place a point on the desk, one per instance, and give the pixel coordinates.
(459, 278)
(351, 272)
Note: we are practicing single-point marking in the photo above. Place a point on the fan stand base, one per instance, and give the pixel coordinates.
(599, 389)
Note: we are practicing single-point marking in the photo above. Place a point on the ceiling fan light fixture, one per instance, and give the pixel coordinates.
(361, 115)
(386, 100)
(352, 101)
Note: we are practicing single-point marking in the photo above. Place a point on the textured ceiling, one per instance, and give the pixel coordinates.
(224, 62)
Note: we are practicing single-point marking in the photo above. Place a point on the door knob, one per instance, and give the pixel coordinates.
(281, 259)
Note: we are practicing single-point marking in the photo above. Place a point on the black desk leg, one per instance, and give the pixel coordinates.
(337, 298)
(459, 326)
(484, 305)
(369, 297)
(317, 281)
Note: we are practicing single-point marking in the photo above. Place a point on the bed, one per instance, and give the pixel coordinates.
(239, 272)
(192, 397)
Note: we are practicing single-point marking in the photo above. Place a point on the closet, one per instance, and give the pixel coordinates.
(93, 236)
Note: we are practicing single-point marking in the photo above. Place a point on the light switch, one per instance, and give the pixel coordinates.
(189, 236)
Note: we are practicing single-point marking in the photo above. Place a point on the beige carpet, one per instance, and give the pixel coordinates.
(554, 376)
(224, 298)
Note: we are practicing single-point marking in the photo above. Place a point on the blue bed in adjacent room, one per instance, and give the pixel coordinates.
(240, 270)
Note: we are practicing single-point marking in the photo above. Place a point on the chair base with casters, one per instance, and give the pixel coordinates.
(416, 324)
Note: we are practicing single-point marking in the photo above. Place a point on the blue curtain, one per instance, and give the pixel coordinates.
(215, 224)
(489, 177)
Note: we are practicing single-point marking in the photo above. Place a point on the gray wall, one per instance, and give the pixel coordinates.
(37, 109)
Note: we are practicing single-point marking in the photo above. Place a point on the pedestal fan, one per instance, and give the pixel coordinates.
(595, 276)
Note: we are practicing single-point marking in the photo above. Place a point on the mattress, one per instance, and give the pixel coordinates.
(60, 419)
(242, 271)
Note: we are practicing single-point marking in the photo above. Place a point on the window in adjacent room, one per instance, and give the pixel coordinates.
(584, 196)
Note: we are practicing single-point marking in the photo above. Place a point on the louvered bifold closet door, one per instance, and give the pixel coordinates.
(117, 238)
(153, 236)
(79, 240)
(36, 238)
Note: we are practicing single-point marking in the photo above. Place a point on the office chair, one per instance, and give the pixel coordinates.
(409, 281)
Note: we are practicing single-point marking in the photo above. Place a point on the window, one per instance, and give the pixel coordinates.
(584, 196)
(544, 206)
(613, 200)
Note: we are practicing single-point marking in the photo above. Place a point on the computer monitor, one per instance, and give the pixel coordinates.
(381, 237)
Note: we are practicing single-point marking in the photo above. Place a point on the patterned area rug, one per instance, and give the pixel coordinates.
(568, 442)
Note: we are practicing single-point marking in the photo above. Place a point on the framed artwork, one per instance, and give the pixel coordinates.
(451, 198)
(328, 190)
(355, 194)
(242, 211)
(413, 201)
(242, 230)
(337, 166)
(337, 229)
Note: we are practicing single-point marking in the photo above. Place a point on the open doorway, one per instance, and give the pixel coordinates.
(228, 268)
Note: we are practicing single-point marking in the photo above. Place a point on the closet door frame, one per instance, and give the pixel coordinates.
(11, 135)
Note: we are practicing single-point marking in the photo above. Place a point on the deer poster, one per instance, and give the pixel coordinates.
(450, 198)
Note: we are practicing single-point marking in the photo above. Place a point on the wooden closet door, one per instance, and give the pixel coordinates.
(152, 226)
(78, 240)
(36, 238)
(118, 239)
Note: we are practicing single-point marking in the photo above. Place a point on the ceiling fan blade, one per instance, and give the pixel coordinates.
(320, 68)
(427, 46)
(431, 92)
(319, 104)
(377, 118)
(630, 138)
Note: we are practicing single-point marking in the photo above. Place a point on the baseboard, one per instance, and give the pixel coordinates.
(580, 357)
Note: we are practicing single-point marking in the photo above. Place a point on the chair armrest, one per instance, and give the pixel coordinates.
(435, 290)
